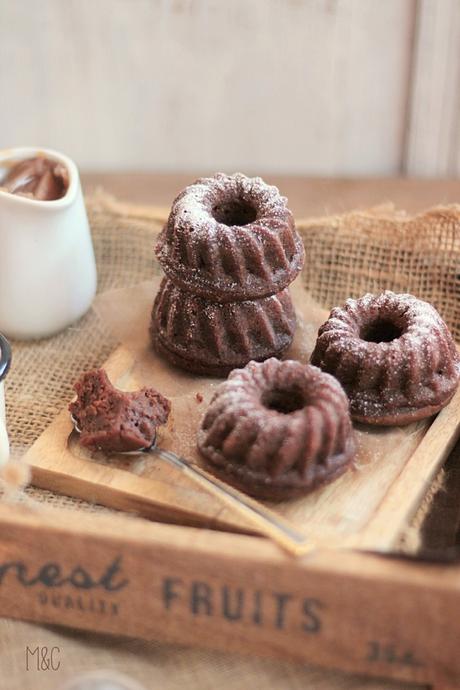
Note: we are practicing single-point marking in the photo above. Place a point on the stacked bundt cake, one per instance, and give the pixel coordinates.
(278, 429)
(229, 250)
(394, 356)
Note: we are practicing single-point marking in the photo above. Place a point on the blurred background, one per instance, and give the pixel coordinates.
(320, 87)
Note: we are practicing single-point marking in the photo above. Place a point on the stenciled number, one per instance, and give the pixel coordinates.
(389, 654)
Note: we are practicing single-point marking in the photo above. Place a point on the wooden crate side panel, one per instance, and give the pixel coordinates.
(350, 611)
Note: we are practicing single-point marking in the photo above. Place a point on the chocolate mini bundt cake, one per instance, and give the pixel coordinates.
(112, 420)
(278, 429)
(230, 237)
(229, 251)
(211, 338)
(394, 356)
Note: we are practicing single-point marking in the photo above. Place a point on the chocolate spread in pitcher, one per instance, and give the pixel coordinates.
(37, 178)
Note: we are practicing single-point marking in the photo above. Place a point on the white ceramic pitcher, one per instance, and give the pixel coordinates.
(47, 265)
(5, 361)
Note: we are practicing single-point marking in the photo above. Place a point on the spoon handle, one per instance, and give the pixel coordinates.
(266, 521)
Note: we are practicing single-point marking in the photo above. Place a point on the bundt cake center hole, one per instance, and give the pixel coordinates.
(283, 400)
(381, 331)
(234, 212)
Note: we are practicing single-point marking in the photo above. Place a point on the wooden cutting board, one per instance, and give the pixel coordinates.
(366, 507)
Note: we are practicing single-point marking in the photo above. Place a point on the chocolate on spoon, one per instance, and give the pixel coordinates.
(116, 421)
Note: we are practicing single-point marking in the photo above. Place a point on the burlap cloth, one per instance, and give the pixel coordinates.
(348, 255)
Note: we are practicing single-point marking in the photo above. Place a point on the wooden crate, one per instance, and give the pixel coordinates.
(349, 610)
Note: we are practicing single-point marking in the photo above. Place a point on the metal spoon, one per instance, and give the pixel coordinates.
(266, 521)
(271, 525)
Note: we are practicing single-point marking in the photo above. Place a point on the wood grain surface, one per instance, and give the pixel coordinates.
(307, 196)
(433, 132)
(316, 87)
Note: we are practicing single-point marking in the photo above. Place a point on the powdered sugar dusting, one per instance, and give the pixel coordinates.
(226, 301)
(259, 255)
(293, 447)
(407, 372)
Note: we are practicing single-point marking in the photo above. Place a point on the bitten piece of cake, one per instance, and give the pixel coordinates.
(112, 420)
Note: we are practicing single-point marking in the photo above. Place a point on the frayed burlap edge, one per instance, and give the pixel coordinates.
(382, 248)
